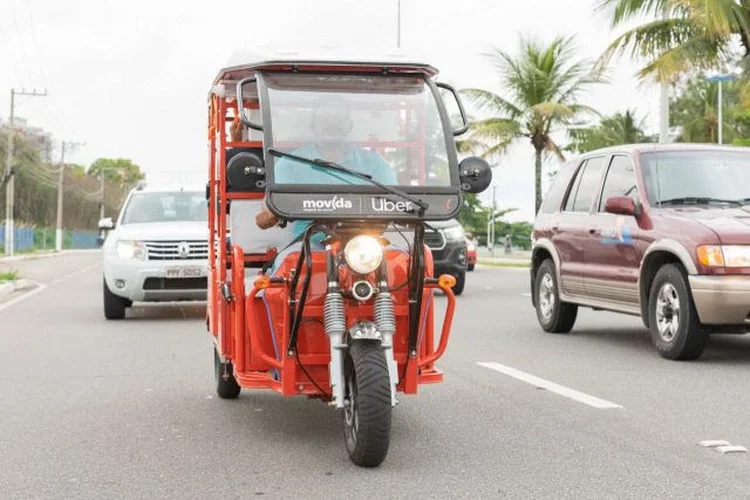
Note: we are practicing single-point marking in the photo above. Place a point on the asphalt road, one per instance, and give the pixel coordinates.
(96, 409)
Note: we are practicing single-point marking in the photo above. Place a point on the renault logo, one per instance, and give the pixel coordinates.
(183, 249)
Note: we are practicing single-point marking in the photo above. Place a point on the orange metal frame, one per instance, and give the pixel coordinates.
(252, 330)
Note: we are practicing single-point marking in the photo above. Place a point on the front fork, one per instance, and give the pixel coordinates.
(381, 329)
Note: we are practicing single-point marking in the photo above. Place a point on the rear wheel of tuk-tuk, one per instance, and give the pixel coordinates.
(226, 385)
(367, 411)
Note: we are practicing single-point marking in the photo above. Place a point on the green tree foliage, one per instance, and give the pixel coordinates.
(543, 84)
(620, 128)
(121, 171)
(678, 36)
(474, 217)
(36, 189)
(695, 111)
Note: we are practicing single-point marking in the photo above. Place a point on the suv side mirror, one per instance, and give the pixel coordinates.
(622, 205)
(475, 174)
(106, 223)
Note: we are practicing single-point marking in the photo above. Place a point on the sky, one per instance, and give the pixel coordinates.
(130, 78)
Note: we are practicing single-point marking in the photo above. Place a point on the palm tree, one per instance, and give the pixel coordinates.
(620, 128)
(681, 35)
(543, 84)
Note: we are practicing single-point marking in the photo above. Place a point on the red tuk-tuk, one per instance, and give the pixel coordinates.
(335, 302)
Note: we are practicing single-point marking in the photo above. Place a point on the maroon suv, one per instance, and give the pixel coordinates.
(659, 231)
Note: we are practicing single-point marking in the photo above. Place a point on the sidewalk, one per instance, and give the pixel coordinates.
(515, 258)
(45, 255)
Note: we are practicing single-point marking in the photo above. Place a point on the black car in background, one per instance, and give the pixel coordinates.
(447, 241)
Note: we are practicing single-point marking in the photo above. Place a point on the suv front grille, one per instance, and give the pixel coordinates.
(434, 240)
(175, 284)
(177, 250)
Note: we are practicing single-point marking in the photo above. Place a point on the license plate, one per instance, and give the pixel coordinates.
(184, 272)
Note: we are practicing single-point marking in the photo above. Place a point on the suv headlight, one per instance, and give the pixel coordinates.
(363, 254)
(724, 255)
(454, 233)
(130, 249)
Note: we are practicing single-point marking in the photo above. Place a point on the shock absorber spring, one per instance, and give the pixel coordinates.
(333, 313)
(385, 318)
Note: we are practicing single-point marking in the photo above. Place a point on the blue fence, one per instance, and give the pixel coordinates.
(26, 238)
(23, 238)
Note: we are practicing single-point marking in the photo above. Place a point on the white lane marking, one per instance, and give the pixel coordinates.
(22, 297)
(731, 449)
(79, 272)
(567, 392)
(526, 294)
(712, 443)
(722, 446)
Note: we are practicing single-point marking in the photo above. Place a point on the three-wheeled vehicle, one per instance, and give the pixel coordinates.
(351, 159)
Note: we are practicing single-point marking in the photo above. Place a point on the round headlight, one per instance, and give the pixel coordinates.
(363, 254)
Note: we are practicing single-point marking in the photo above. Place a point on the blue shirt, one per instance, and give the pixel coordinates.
(290, 171)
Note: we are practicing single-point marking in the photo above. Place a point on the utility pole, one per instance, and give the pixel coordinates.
(663, 112)
(101, 208)
(9, 174)
(492, 226)
(60, 180)
(398, 25)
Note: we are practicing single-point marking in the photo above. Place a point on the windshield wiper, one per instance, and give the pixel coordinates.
(423, 206)
(693, 200)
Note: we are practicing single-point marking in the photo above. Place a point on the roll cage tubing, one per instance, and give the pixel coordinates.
(416, 282)
(416, 279)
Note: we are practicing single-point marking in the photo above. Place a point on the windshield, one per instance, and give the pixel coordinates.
(703, 175)
(178, 206)
(387, 127)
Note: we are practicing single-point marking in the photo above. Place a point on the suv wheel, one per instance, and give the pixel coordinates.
(673, 321)
(458, 288)
(554, 315)
(114, 305)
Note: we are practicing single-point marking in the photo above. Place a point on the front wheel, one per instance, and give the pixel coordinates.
(675, 328)
(554, 316)
(226, 385)
(458, 288)
(367, 409)
(114, 305)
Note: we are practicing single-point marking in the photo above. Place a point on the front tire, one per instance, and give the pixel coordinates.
(367, 411)
(226, 385)
(675, 328)
(458, 288)
(554, 316)
(114, 305)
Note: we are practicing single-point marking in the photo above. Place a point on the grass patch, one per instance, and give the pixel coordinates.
(8, 276)
(521, 264)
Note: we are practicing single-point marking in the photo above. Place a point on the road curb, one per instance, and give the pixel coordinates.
(13, 286)
(47, 255)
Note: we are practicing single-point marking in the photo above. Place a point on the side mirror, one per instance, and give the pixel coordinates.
(465, 122)
(475, 174)
(622, 205)
(106, 224)
(241, 99)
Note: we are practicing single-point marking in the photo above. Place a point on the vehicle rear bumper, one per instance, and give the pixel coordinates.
(721, 300)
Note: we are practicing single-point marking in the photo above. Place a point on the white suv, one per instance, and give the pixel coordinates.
(157, 251)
